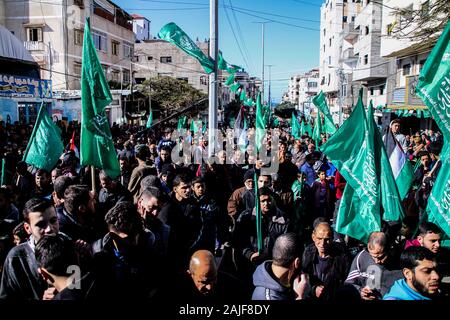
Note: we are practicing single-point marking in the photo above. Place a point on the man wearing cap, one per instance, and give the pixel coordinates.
(166, 141)
(142, 170)
(235, 204)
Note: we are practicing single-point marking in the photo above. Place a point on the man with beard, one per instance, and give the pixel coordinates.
(421, 278)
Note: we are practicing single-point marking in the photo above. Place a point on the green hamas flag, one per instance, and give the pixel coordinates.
(260, 124)
(352, 151)
(434, 89)
(390, 198)
(235, 87)
(223, 65)
(97, 147)
(45, 145)
(317, 129)
(243, 95)
(229, 80)
(194, 126)
(150, 119)
(308, 128)
(295, 127)
(320, 102)
(175, 35)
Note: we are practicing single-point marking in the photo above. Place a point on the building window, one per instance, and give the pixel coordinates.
(166, 59)
(203, 80)
(330, 42)
(371, 91)
(366, 59)
(312, 84)
(323, 48)
(126, 76)
(324, 32)
(78, 37)
(344, 19)
(353, 18)
(149, 58)
(77, 68)
(329, 59)
(115, 75)
(115, 48)
(366, 30)
(100, 41)
(421, 64)
(34, 34)
(185, 79)
(389, 28)
(382, 90)
(329, 79)
(127, 50)
(406, 69)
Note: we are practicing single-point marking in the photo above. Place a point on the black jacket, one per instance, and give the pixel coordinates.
(339, 264)
(20, 278)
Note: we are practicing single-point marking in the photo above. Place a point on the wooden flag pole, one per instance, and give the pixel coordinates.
(93, 178)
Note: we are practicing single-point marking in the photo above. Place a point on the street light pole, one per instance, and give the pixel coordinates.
(262, 71)
(213, 98)
(270, 84)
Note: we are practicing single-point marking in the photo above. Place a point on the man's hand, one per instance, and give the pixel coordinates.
(301, 286)
(367, 294)
(319, 291)
(83, 248)
(254, 256)
(49, 294)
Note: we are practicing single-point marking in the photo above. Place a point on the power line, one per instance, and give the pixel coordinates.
(272, 14)
(275, 21)
(308, 3)
(176, 2)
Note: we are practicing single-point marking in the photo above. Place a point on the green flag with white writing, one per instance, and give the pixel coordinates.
(150, 119)
(175, 35)
(260, 124)
(295, 127)
(97, 147)
(434, 89)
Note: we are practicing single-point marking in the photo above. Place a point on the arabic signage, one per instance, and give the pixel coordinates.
(24, 87)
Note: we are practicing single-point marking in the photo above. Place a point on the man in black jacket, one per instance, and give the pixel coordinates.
(20, 278)
(326, 264)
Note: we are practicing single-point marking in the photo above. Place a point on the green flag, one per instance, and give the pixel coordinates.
(3, 179)
(260, 124)
(434, 89)
(45, 145)
(194, 126)
(97, 147)
(230, 80)
(243, 95)
(320, 102)
(258, 216)
(175, 35)
(223, 65)
(295, 127)
(317, 129)
(150, 119)
(235, 87)
(390, 198)
(308, 128)
(351, 149)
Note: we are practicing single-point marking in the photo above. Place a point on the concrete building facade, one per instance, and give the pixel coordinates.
(53, 33)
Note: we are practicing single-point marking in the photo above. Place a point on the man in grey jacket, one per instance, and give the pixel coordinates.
(279, 279)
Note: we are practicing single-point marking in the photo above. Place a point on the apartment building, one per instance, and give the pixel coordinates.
(52, 31)
(141, 27)
(337, 57)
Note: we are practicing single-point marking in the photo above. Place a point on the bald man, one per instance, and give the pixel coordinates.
(325, 262)
(371, 272)
(203, 282)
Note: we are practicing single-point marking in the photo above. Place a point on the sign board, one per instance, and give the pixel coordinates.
(24, 87)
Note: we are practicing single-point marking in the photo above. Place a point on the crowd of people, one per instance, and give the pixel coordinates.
(164, 224)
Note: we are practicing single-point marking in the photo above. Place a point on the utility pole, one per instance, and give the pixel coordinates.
(213, 52)
(341, 83)
(262, 45)
(270, 85)
(131, 86)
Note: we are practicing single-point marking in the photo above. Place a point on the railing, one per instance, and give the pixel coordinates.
(34, 45)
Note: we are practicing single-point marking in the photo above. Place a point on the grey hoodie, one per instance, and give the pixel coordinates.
(268, 288)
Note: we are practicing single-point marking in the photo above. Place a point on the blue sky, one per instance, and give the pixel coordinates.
(291, 40)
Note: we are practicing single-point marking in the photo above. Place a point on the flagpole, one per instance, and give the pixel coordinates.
(33, 134)
(2, 181)
(93, 178)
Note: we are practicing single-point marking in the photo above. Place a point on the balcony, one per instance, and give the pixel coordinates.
(349, 31)
(348, 55)
(34, 45)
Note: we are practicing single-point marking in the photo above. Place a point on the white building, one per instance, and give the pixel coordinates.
(308, 87)
(371, 69)
(337, 58)
(141, 27)
(409, 56)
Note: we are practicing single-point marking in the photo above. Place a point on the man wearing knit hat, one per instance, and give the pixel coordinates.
(235, 202)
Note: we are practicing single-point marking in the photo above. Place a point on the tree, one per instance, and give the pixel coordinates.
(170, 93)
(423, 24)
